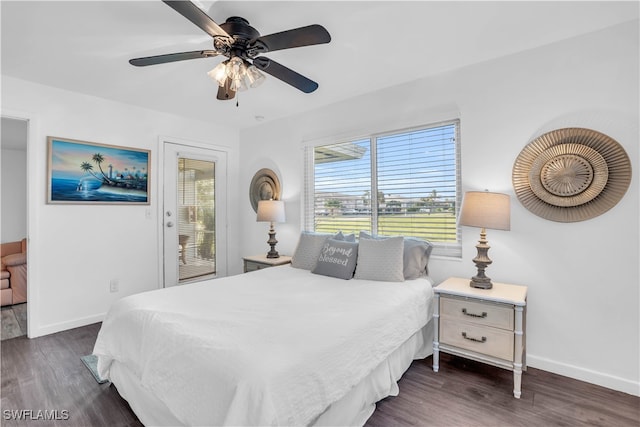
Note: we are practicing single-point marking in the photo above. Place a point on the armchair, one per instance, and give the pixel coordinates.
(13, 276)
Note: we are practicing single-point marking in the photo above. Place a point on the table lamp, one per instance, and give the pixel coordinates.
(484, 210)
(271, 211)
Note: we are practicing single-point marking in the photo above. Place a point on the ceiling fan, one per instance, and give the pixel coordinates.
(242, 45)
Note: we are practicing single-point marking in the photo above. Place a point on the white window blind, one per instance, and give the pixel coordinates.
(196, 218)
(400, 183)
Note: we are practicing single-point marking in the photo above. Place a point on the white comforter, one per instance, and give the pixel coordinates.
(272, 347)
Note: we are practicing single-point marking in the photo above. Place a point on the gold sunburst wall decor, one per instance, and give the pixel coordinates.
(571, 174)
(265, 185)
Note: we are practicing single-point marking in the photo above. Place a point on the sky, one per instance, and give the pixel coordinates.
(410, 164)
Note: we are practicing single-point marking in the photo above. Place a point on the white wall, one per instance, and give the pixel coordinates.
(75, 250)
(583, 277)
(14, 195)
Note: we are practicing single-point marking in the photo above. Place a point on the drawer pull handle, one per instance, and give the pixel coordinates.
(464, 335)
(483, 315)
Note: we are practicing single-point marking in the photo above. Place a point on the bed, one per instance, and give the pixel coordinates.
(279, 346)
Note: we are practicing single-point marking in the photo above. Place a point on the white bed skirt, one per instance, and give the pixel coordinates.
(352, 410)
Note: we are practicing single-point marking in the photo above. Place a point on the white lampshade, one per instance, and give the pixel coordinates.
(270, 211)
(486, 210)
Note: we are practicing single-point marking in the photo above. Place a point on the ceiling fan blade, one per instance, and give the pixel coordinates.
(196, 15)
(172, 57)
(225, 92)
(298, 37)
(285, 74)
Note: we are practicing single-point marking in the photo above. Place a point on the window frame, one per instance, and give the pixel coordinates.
(441, 249)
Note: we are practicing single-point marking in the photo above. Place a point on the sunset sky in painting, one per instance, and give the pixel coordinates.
(66, 158)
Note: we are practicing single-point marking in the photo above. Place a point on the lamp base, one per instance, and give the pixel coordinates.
(272, 242)
(481, 282)
(482, 261)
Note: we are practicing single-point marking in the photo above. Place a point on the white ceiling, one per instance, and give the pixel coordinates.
(84, 46)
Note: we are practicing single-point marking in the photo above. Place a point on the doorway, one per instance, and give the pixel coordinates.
(194, 214)
(13, 144)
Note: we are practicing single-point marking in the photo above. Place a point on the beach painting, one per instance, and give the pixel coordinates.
(81, 172)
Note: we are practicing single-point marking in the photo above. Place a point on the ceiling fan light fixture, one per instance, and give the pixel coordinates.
(237, 72)
(255, 77)
(236, 67)
(238, 84)
(219, 73)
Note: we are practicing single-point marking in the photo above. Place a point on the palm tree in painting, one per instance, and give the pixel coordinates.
(98, 159)
(88, 168)
(86, 183)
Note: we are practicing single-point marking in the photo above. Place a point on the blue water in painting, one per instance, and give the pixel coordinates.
(66, 190)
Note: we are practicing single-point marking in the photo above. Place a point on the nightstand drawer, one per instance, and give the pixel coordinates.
(480, 313)
(490, 341)
(253, 266)
(259, 262)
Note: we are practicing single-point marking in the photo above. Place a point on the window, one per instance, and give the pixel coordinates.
(401, 183)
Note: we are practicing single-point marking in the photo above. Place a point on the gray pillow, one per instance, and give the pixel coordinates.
(337, 259)
(348, 237)
(306, 254)
(381, 259)
(416, 258)
(365, 235)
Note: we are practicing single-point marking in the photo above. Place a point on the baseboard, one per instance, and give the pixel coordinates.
(41, 330)
(605, 380)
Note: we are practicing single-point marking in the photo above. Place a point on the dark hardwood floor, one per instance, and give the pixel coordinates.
(46, 374)
(468, 393)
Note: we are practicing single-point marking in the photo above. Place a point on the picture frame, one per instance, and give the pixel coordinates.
(82, 172)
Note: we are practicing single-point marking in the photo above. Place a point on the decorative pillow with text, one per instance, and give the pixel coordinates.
(337, 259)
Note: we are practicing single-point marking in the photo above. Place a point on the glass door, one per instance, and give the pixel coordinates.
(192, 231)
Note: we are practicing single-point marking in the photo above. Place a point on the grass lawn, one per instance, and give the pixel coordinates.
(437, 227)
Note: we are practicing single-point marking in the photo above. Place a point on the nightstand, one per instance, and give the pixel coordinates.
(486, 325)
(258, 262)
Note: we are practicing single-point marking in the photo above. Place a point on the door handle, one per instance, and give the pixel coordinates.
(170, 224)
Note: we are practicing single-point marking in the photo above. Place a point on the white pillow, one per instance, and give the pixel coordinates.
(381, 259)
(308, 250)
(415, 258)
